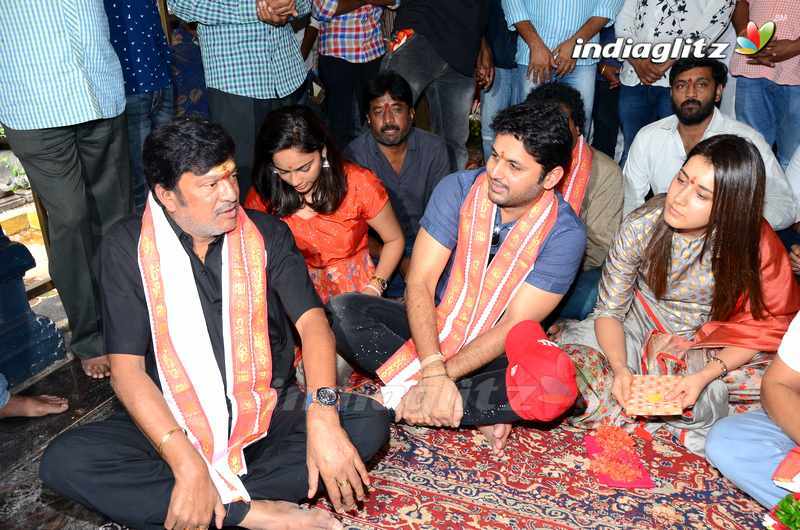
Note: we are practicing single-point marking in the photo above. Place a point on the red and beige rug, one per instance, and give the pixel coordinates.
(450, 479)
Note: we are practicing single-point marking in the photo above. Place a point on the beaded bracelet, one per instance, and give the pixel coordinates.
(724, 366)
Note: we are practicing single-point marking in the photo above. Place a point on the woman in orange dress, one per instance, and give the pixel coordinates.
(329, 205)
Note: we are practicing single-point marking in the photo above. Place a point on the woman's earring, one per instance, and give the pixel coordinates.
(325, 162)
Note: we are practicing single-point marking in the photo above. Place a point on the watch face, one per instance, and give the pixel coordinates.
(327, 396)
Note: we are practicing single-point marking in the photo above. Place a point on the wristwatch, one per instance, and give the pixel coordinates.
(325, 396)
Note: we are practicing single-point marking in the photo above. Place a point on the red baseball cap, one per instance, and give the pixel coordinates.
(540, 378)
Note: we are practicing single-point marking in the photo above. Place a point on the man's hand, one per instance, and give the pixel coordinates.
(275, 12)
(563, 57)
(688, 389)
(541, 63)
(647, 70)
(794, 257)
(484, 68)
(610, 73)
(778, 50)
(331, 455)
(194, 498)
(434, 401)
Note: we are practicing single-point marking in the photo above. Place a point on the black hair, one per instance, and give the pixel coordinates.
(565, 95)
(185, 144)
(297, 126)
(718, 69)
(542, 128)
(388, 82)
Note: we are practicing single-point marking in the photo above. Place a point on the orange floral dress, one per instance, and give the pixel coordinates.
(335, 245)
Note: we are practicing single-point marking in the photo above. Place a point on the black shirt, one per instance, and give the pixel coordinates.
(126, 323)
(425, 164)
(453, 27)
(501, 40)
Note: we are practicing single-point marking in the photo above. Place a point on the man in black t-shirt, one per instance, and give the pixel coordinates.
(258, 441)
(439, 59)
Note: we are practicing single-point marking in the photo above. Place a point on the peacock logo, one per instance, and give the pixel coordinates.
(756, 38)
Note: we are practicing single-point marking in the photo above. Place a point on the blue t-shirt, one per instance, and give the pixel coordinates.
(560, 255)
(140, 43)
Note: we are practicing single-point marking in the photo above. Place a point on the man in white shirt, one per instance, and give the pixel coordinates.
(659, 150)
(747, 448)
(644, 93)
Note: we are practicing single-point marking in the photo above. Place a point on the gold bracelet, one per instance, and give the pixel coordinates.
(166, 438)
(444, 374)
(382, 283)
(602, 69)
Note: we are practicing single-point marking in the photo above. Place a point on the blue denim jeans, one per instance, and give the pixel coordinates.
(641, 105)
(582, 296)
(4, 394)
(499, 96)
(773, 110)
(449, 93)
(747, 448)
(144, 113)
(581, 79)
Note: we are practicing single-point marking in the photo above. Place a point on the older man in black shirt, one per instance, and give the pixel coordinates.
(155, 466)
(409, 161)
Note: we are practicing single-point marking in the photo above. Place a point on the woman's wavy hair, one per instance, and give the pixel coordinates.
(297, 127)
(733, 233)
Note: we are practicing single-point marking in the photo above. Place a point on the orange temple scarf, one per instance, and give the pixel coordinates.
(781, 295)
(187, 369)
(573, 186)
(476, 295)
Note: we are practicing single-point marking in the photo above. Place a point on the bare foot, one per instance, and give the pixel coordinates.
(280, 515)
(96, 367)
(496, 435)
(34, 406)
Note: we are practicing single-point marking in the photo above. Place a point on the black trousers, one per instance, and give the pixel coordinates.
(242, 118)
(112, 468)
(345, 84)
(83, 177)
(605, 116)
(370, 329)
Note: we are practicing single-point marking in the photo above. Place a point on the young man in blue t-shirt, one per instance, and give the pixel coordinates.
(462, 379)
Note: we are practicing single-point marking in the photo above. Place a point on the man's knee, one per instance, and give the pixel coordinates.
(367, 424)
(63, 460)
(344, 310)
(719, 443)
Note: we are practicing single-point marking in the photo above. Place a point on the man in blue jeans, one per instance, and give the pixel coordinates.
(747, 448)
(548, 33)
(439, 59)
(140, 43)
(499, 94)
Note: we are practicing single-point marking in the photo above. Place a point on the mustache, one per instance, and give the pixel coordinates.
(692, 102)
(225, 208)
(387, 128)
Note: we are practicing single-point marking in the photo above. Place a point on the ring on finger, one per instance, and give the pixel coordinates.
(343, 482)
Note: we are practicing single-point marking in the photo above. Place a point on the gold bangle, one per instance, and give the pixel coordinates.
(602, 69)
(166, 438)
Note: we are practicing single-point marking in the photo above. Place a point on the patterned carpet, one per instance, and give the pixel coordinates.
(445, 479)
